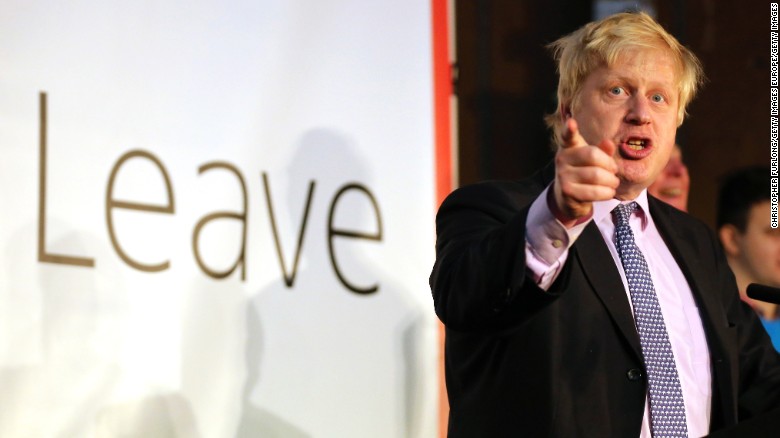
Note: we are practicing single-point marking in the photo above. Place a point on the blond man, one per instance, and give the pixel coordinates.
(574, 303)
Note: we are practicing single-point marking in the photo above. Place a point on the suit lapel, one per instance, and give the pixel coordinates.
(687, 254)
(685, 251)
(597, 265)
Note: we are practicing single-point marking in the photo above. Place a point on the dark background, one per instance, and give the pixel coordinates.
(505, 82)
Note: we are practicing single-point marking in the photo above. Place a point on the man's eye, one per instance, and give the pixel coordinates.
(658, 98)
(617, 91)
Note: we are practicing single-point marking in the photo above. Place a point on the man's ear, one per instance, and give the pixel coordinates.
(729, 238)
(565, 111)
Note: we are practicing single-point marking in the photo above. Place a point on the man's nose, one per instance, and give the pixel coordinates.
(638, 110)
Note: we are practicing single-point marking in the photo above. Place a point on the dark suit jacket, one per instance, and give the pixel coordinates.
(567, 362)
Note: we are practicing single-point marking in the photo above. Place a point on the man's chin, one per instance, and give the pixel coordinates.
(630, 188)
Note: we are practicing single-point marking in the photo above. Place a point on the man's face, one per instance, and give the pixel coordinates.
(633, 103)
(673, 183)
(758, 248)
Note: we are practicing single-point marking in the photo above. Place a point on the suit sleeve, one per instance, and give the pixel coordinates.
(479, 280)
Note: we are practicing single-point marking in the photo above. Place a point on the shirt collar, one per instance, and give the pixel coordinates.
(603, 209)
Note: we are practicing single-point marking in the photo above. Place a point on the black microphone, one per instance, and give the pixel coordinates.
(764, 293)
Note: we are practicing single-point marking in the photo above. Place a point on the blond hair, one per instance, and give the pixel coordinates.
(602, 43)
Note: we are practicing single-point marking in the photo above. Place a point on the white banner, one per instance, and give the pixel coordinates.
(217, 219)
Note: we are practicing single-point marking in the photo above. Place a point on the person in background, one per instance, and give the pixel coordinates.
(752, 247)
(673, 183)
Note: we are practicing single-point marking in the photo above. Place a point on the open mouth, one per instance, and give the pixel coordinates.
(635, 148)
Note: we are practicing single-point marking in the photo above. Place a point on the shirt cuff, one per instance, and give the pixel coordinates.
(547, 241)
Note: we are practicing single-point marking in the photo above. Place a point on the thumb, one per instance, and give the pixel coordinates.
(571, 134)
(609, 148)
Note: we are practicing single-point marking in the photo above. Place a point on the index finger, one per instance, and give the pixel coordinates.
(571, 135)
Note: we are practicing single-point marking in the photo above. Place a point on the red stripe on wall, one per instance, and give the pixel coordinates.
(442, 86)
(442, 90)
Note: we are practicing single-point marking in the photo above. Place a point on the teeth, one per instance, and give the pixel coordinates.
(636, 144)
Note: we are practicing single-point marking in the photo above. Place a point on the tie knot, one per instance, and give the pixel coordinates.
(624, 211)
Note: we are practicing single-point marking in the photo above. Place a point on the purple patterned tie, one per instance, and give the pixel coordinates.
(667, 410)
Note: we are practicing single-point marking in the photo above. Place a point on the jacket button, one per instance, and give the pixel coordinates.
(634, 374)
